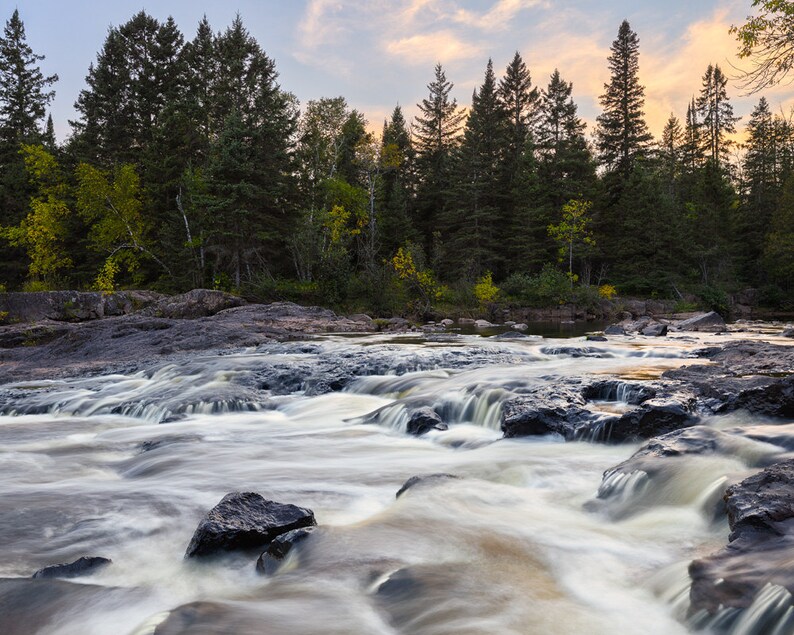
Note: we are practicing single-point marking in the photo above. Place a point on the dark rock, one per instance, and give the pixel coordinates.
(426, 480)
(614, 329)
(655, 330)
(278, 549)
(82, 566)
(711, 322)
(544, 412)
(788, 333)
(596, 338)
(573, 351)
(761, 517)
(422, 420)
(652, 418)
(617, 390)
(245, 520)
(511, 335)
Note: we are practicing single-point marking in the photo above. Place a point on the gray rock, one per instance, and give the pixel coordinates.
(466, 321)
(245, 520)
(709, 322)
(193, 304)
(425, 481)
(614, 329)
(655, 330)
(279, 548)
(446, 322)
(483, 324)
(521, 327)
(596, 338)
(422, 420)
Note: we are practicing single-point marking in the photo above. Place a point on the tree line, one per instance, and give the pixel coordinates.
(189, 166)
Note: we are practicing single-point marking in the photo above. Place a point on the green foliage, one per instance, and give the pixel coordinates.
(573, 230)
(715, 299)
(485, 290)
(550, 287)
(765, 39)
(418, 283)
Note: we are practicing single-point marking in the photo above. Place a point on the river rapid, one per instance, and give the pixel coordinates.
(125, 467)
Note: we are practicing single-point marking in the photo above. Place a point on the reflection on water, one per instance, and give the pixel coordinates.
(515, 546)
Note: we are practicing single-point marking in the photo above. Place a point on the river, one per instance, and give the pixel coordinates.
(125, 467)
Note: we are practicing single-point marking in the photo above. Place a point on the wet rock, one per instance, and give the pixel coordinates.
(28, 335)
(652, 418)
(573, 351)
(761, 518)
(789, 332)
(278, 549)
(711, 322)
(245, 520)
(422, 420)
(635, 326)
(424, 481)
(86, 565)
(655, 330)
(521, 327)
(632, 393)
(596, 338)
(546, 412)
(446, 322)
(483, 324)
(614, 329)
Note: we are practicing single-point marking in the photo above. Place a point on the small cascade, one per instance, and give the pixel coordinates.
(624, 487)
(771, 613)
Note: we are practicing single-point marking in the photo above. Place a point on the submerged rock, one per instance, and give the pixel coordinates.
(278, 549)
(761, 517)
(244, 520)
(82, 566)
(426, 480)
(423, 420)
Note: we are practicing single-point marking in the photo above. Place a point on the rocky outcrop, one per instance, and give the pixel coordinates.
(82, 566)
(245, 520)
(761, 518)
(72, 306)
(193, 304)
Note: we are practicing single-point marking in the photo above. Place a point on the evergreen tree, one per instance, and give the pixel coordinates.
(519, 100)
(472, 215)
(436, 135)
(692, 147)
(716, 113)
(622, 134)
(24, 95)
(24, 91)
(397, 160)
(670, 152)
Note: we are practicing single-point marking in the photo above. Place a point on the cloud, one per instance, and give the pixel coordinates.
(498, 17)
(440, 46)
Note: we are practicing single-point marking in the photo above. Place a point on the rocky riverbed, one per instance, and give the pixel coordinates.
(566, 469)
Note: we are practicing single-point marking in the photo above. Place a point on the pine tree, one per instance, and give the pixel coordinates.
(716, 113)
(519, 100)
(436, 135)
(670, 152)
(622, 134)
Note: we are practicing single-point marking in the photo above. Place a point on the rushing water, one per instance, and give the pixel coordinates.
(125, 467)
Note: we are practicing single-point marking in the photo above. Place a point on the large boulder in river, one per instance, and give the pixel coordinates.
(761, 517)
(244, 520)
(424, 420)
(279, 548)
(709, 322)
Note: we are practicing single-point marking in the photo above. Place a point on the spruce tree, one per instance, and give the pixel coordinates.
(716, 113)
(471, 218)
(24, 91)
(622, 135)
(692, 146)
(519, 100)
(436, 135)
(394, 195)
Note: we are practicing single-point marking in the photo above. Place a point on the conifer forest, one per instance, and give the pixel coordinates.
(189, 166)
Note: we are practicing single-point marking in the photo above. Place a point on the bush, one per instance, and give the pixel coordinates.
(547, 288)
(485, 290)
(715, 299)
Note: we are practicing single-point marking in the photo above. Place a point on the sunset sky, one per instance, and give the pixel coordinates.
(378, 53)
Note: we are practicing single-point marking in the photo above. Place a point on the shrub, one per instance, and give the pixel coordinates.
(547, 288)
(485, 290)
(607, 292)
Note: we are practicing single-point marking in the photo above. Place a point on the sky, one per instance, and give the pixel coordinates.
(380, 53)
